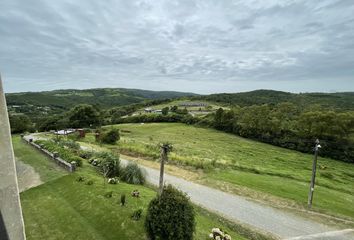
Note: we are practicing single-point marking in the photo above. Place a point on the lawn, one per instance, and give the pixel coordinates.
(63, 208)
(265, 168)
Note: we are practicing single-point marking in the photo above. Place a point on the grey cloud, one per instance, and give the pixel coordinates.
(293, 45)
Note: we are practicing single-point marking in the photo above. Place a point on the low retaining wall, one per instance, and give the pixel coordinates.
(61, 162)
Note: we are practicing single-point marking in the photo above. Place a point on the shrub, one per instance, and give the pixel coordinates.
(110, 137)
(133, 174)
(122, 199)
(76, 159)
(85, 154)
(108, 164)
(170, 216)
(137, 214)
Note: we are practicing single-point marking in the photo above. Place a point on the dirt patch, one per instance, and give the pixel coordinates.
(27, 177)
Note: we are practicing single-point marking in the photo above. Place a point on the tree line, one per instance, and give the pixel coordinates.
(286, 126)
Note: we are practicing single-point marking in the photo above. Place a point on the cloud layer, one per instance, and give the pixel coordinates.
(188, 45)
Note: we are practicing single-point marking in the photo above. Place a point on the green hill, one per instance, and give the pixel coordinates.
(344, 100)
(36, 104)
(106, 97)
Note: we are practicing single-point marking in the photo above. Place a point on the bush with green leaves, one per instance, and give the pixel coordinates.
(77, 160)
(85, 154)
(132, 174)
(110, 137)
(170, 216)
(108, 164)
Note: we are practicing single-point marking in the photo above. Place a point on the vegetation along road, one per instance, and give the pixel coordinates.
(278, 222)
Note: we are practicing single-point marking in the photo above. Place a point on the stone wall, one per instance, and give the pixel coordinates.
(61, 162)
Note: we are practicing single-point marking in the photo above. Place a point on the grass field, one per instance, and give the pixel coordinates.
(211, 107)
(241, 162)
(63, 208)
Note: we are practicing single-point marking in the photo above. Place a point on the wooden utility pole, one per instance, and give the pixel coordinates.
(313, 178)
(165, 149)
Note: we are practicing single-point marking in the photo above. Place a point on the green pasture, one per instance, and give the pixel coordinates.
(225, 157)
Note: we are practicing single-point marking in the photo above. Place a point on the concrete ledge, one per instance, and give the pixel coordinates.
(10, 206)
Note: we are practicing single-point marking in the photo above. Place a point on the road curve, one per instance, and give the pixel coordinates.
(277, 222)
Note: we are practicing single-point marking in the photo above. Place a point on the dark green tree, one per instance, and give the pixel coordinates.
(165, 111)
(110, 137)
(84, 115)
(174, 108)
(20, 123)
(170, 216)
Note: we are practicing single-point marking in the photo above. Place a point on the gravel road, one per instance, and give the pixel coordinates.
(282, 224)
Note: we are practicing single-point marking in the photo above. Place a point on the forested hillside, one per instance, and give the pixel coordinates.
(105, 97)
(343, 101)
(38, 105)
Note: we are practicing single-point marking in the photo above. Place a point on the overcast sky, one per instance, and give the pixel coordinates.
(200, 46)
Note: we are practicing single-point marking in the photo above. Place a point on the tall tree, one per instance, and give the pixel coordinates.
(84, 115)
(20, 123)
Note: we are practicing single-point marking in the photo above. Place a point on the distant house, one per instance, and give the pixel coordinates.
(193, 104)
(150, 110)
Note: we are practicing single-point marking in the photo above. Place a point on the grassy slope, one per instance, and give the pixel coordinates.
(46, 168)
(280, 172)
(63, 208)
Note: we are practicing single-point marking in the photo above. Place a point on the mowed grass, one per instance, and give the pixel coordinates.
(281, 172)
(64, 208)
(47, 169)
